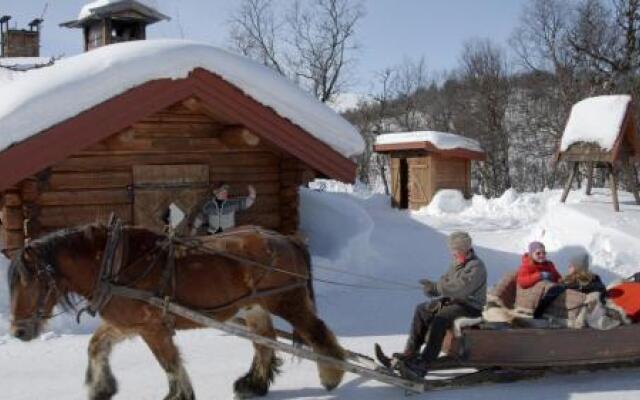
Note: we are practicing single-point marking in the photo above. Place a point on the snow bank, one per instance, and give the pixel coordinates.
(70, 85)
(447, 201)
(86, 10)
(595, 120)
(510, 211)
(6, 75)
(441, 140)
(345, 246)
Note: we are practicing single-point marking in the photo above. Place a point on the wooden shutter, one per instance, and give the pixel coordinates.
(419, 195)
(157, 186)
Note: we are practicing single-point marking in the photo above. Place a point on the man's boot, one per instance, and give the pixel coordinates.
(414, 368)
(390, 362)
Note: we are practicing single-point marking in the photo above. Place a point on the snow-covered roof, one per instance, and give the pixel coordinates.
(440, 140)
(89, 9)
(24, 63)
(596, 120)
(38, 99)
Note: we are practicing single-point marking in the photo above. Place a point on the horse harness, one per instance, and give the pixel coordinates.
(43, 272)
(107, 284)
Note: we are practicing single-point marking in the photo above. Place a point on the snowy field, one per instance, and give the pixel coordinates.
(352, 230)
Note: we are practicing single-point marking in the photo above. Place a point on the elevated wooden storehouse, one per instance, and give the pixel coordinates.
(424, 162)
(132, 127)
(601, 133)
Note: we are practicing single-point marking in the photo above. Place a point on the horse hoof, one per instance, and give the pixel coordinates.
(247, 388)
(103, 390)
(180, 396)
(331, 377)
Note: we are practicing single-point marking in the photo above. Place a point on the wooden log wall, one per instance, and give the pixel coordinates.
(12, 220)
(91, 184)
(293, 173)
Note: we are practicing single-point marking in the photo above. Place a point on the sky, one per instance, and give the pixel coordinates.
(391, 30)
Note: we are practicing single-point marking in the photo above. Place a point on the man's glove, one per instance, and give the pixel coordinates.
(429, 288)
(545, 276)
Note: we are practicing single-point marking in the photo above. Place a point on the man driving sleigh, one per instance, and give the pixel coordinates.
(460, 292)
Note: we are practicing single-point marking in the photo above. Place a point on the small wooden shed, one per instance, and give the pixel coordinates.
(164, 140)
(424, 162)
(601, 133)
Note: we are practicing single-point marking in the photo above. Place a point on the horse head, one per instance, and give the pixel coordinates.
(33, 292)
(36, 280)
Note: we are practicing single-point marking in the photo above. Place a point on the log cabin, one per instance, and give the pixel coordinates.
(131, 127)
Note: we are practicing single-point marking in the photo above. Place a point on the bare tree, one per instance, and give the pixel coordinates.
(312, 43)
(323, 38)
(605, 36)
(255, 32)
(484, 73)
(408, 78)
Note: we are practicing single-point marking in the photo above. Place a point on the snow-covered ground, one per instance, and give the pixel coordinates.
(352, 230)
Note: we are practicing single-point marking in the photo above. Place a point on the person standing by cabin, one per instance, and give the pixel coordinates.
(460, 292)
(536, 275)
(218, 213)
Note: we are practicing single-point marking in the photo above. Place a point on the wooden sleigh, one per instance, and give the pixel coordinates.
(533, 348)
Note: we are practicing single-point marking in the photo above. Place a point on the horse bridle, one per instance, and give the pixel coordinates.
(46, 272)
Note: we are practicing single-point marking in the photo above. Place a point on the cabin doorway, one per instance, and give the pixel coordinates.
(404, 183)
(155, 187)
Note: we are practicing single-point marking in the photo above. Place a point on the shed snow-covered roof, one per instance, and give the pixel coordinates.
(447, 144)
(90, 9)
(39, 99)
(596, 120)
(98, 8)
(440, 140)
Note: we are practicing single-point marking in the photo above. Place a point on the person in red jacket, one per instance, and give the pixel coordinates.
(535, 267)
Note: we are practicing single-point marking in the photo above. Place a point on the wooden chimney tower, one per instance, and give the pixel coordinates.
(115, 22)
(19, 42)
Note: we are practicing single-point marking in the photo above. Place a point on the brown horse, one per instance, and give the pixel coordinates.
(48, 270)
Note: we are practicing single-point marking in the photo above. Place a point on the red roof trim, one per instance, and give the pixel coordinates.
(91, 126)
(281, 132)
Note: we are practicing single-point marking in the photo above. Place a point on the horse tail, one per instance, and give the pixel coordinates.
(301, 244)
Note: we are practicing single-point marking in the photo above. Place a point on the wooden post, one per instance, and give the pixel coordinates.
(613, 181)
(631, 179)
(567, 186)
(589, 178)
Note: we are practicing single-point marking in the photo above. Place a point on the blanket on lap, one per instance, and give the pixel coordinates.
(506, 303)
